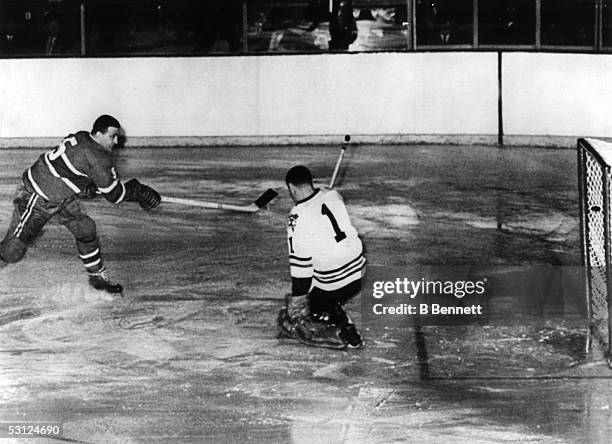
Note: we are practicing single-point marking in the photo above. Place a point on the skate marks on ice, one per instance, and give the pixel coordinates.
(220, 354)
(552, 226)
(212, 359)
(18, 315)
(73, 317)
(91, 362)
(44, 339)
(381, 415)
(392, 408)
(397, 219)
(383, 221)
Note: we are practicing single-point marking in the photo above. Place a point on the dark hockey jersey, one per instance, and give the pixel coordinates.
(75, 164)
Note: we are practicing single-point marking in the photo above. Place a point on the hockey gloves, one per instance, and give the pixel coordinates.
(89, 192)
(146, 196)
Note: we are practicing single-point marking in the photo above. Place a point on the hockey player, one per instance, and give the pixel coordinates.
(327, 264)
(80, 167)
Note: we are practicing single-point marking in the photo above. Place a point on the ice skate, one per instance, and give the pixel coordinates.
(102, 281)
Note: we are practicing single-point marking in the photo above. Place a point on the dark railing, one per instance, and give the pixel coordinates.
(200, 27)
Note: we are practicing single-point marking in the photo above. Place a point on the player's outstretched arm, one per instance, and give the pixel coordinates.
(145, 195)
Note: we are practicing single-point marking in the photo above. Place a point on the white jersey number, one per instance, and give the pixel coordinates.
(61, 149)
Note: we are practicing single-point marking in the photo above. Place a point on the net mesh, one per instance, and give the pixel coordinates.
(596, 233)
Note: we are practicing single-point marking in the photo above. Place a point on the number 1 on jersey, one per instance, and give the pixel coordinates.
(340, 235)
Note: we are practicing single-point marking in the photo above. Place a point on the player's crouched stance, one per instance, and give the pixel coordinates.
(327, 264)
(80, 167)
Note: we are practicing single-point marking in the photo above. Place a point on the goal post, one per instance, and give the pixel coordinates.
(594, 182)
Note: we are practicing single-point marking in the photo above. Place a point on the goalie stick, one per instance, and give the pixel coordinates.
(347, 139)
(261, 202)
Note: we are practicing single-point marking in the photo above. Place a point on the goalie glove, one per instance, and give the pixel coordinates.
(146, 196)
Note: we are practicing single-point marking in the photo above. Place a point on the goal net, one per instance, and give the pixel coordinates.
(594, 181)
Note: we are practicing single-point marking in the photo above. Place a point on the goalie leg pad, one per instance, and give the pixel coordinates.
(296, 307)
(295, 321)
(285, 328)
(310, 331)
(319, 334)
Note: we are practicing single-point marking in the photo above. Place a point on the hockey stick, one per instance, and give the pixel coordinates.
(261, 202)
(347, 139)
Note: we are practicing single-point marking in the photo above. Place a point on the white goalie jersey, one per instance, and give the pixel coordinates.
(323, 244)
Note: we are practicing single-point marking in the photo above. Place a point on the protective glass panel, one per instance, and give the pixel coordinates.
(568, 22)
(381, 27)
(39, 28)
(506, 22)
(607, 23)
(163, 26)
(444, 22)
(287, 26)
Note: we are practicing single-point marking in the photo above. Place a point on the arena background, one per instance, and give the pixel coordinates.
(460, 157)
(547, 99)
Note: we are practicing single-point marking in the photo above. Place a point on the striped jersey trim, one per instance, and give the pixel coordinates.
(92, 254)
(300, 265)
(71, 167)
(297, 258)
(91, 264)
(122, 194)
(353, 267)
(112, 187)
(35, 185)
(109, 188)
(343, 267)
(300, 262)
(54, 172)
(26, 215)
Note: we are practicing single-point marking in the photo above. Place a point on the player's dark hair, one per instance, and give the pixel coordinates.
(299, 175)
(103, 122)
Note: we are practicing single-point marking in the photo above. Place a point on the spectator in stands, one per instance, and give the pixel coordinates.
(220, 44)
(278, 25)
(317, 11)
(435, 23)
(55, 42)
(9, 40)
(512, 27)
(342, 25)
(445, 32)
